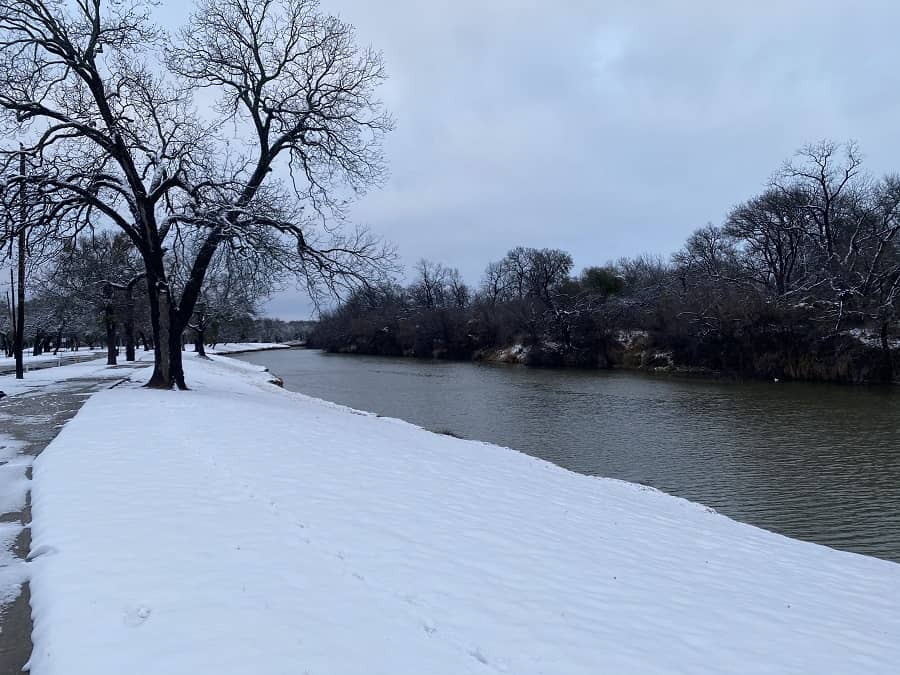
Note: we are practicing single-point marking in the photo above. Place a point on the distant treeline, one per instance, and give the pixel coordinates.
(45, 333)
(801, 281)
(91, 291)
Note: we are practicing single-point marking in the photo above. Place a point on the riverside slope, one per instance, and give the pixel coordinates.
(239, 528)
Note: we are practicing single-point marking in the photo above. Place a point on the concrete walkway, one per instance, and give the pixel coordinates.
(29, 421)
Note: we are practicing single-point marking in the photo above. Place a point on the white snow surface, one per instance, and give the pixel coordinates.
(14, 463)
(12, 571)
(13, 489)
(46, 380)
(49, 357)
(872, 339)
(236, 347)
(238, 528)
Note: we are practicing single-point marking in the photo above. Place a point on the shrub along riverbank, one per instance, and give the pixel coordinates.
(847, 358)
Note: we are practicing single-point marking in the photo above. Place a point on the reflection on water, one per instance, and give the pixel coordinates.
(816, 462)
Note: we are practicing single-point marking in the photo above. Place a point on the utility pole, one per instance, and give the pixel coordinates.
(19, 332)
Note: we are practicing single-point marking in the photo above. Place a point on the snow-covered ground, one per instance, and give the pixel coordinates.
(237, 347)
(39, 393)
(62, 358)
(13, 489)
(41, 381)
(239, 528)
(872, 339)
(65, 357)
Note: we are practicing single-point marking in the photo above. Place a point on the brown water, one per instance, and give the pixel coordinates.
(815, 462)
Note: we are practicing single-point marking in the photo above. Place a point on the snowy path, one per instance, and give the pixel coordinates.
(8, 365)
(49, 360)
(243, 347)
(238, 528)
(28, 422)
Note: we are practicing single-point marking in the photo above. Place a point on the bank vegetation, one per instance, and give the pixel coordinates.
(800, 281)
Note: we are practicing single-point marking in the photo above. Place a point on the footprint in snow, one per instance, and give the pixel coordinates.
(478, 656)
(43, 549)
(136, 616)
(482, 659)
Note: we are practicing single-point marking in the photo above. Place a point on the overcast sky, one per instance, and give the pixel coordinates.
(607, 129)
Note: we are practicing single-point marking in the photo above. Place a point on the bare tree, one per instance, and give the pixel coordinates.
(236, 281)
(771, 232)
(710, 253)
(97, 275)
(494, 282)
(870, 270)
(828, 178)
(532, 281)
(851, 222)
(27, 240)
(459, 292)
(83, 84)
(527, 272)
(437, 286)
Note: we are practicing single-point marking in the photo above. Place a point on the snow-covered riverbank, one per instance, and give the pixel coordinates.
(239, 528)
(244, 347)
(50, 360)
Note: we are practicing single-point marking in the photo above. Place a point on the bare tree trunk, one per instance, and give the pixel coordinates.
(159, 321)
(129, 323)
(176, 347)
(168, 371)
(19, 347)
(110, 323)
(199, 342)
(11, 310)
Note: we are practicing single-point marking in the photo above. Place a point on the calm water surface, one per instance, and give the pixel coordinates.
(816, 462)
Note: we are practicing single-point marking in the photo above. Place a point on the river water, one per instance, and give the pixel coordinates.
(812, 461)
